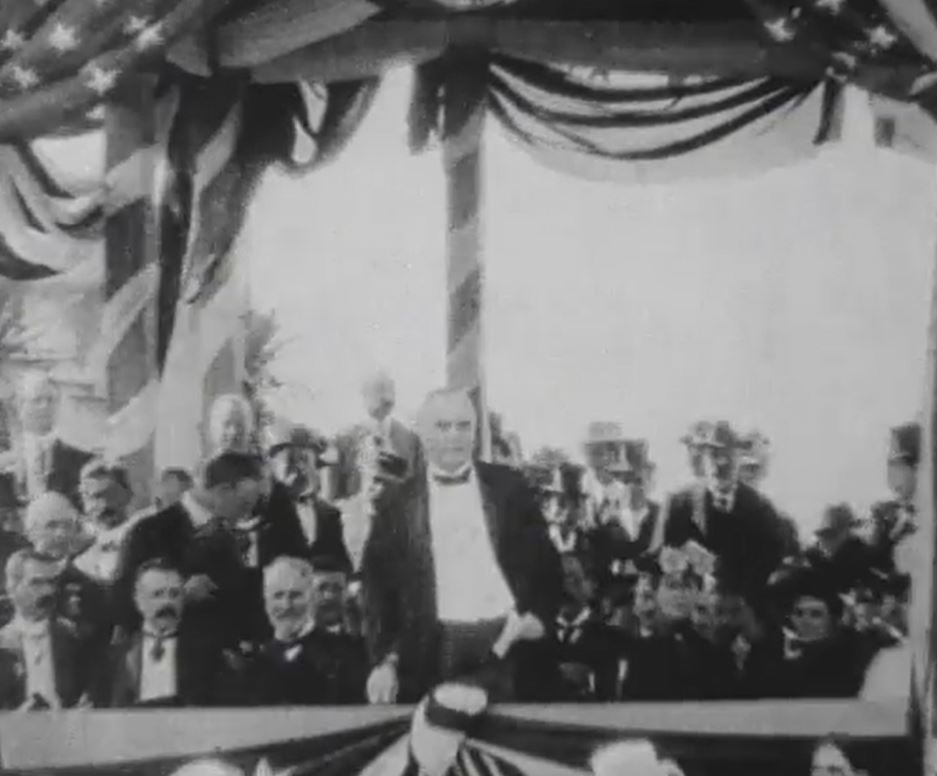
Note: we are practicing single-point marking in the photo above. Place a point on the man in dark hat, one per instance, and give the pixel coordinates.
(839, 552)
(563, 503)
(732, 520)
(296, 458)
(893, 522)
(754, 457)
(629, 533)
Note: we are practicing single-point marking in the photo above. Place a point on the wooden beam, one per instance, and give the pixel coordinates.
(728, 49)
(131, 245)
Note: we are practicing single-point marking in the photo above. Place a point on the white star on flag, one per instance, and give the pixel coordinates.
(833, 6)
(12, 40)
(24, 77)
(150, 37)
(882, 38)
(781, 29)
(99, 79)
(63, 37)
(135, 24)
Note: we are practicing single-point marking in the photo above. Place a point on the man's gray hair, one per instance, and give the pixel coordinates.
(45, 502)
(283, 563)
(15, 568)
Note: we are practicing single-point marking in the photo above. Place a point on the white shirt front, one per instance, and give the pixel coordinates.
(469, 583)
(37, 453)
(36, 640)
(99, 561)
(157, 677)
(306, 509)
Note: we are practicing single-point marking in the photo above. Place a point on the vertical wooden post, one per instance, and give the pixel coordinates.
(464, 107)
(131, 245)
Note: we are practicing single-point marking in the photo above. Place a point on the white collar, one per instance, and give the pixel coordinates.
(31, 628)
(303, 632)
(577, 621)
(198, 514)
(150, 636)
(435, 471)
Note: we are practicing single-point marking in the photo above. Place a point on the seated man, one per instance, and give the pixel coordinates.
(44, 660)
(166, 661)
(310, 659)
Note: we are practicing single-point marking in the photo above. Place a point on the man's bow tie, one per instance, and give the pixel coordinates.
(452, 479)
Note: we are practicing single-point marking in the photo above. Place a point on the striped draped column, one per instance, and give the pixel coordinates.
(130, 277)
(463, 124)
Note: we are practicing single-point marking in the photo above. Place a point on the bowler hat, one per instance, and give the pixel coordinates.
(720, 436)
(699, 431)
(837, 518)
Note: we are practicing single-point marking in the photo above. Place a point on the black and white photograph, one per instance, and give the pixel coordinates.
(468, 387)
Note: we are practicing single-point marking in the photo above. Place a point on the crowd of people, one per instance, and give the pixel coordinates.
(294, 570)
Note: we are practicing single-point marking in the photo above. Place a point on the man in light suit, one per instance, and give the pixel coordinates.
(382, 431)
(43, 658)
(40, 460)
(459, 576)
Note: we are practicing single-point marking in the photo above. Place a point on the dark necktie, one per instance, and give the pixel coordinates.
(157, 649)
(722, 502)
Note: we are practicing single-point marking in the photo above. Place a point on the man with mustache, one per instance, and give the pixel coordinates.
(43, 658)
(106, 495)
(168, 660)
(53, 528)
(309, 660)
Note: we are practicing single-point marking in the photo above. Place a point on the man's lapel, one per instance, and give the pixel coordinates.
(490, 508)
(64, 669)
(128, 689)
(422, 541)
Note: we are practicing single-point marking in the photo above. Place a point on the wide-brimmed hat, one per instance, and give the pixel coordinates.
(836, 519)
(699, 431)
(281, 434)
(604, 433)
(719, 436)
(905, 444)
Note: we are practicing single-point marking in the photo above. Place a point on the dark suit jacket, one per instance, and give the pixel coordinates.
(398, 572)
(749, 541)
(594, 646)
(326, 670)
(170, 534)
(404, 442)
(86, 604)
(280, 530)
(847, 567)
(201, 676)
(63, 475)
(70, 659)
(330, 535)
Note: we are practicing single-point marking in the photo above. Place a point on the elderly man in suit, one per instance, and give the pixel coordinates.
(168, 660)
(44, 660)
(381, 431)
(458, 571)
(729, 518)
(41, 460)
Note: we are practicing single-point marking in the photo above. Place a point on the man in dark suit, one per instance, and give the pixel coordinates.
(295, 455)
(311, 659)
(894, 522)
(44, 660)
(380, 430)
(197, 537)
(732, 520)
(839, 553)
(458, 572)
(40, 460)
(168, 660)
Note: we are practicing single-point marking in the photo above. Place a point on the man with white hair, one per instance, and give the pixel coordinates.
(296, 666)
(43, 659)
(53, 527)
(230, 425)
(458, 571)
(381, 431)
(40, 460)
